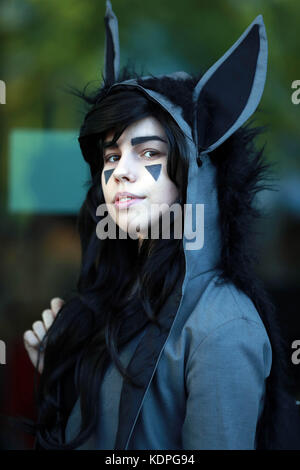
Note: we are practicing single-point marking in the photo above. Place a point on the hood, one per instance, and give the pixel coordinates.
(221, 102)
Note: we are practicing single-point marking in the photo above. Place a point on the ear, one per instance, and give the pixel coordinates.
(112, 51)
(230, 91)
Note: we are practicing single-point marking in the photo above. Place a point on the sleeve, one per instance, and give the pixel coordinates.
(225, 381)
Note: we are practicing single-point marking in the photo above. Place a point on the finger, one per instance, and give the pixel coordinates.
(48, 318)
(30, 339)
(56, 304)
(39, 329)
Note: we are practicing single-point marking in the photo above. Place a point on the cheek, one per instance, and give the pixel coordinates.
(106, 187)
(164, 190)
(168, 191)
(108, 194)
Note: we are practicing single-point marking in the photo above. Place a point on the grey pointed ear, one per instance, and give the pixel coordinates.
(230, 91)
(112, 50)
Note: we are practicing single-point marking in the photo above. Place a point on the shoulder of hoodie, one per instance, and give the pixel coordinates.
(223, 307)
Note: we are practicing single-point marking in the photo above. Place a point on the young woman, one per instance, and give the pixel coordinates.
(170, 342)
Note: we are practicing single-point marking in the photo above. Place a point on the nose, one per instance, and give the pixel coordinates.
(125, 169)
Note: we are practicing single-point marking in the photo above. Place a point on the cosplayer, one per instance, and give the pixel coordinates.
(169, 343)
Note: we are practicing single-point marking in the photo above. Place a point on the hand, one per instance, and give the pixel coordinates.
(32, 338)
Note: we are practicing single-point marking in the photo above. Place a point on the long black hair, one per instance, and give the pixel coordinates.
(104, 314)
(92, 326)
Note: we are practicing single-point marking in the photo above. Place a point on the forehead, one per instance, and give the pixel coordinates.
(143, 127)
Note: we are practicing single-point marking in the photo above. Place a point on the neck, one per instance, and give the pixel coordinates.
(140, 243)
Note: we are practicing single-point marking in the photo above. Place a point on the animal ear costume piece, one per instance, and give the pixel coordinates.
(154, 170)
(230, 91)
(112, 49)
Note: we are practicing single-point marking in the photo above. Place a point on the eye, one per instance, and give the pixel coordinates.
(111, 158)
(150, 151)
(108, 159)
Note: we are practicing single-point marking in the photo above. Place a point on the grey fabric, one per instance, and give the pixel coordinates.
(208, 388)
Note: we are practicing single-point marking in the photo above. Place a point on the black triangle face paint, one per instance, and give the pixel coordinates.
(154, 170)
(107, 175)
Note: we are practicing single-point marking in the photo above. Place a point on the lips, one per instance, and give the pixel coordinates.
(124, 200)
(124, 195)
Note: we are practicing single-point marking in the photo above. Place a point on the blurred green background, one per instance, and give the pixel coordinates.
(47, 46)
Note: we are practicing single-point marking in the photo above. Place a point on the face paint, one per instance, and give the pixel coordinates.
(107, 174)
(154, 170)
(143, 144)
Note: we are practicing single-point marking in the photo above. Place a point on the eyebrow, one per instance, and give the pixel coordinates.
(137, 141)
